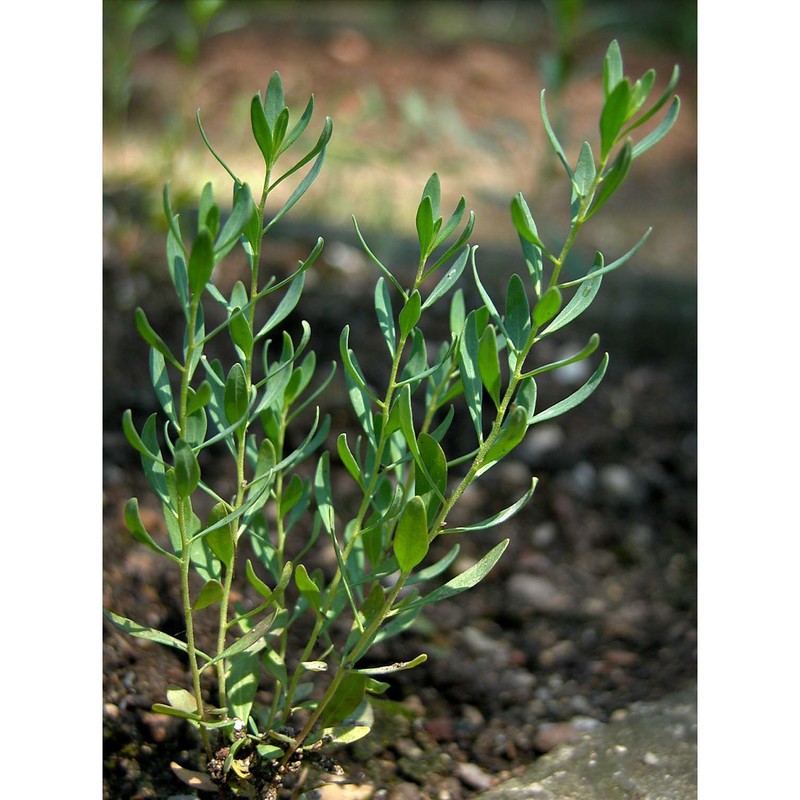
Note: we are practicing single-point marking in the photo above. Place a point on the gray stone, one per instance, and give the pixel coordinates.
(648, 753)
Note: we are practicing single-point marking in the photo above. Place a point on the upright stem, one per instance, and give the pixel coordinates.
(186, 598)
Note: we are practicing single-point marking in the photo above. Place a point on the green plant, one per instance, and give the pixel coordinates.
(282, 508)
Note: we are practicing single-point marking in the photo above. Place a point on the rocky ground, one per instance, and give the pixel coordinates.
(592, 608)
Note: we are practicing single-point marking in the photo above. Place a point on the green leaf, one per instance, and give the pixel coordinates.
(322, 493)
(581, 300)
(181, 699)
(612, 68)
(612, 179)
(659, 104)
(613, 116)
(523, 221)
(547, 306)
(425, 226)
(169, 711)
(526, 396)
(410, 314)
(345, 701)
(347, 734)
(187, 470)
(452, 223)
(468, 359)
(576, 398)
(241, 333)
(240, 217)
(241, 683)
(299, 127)
(292, 296)
(310, 177)
(176, 263)
(433, 190)
(432, 477)
(641, 89)
(612, 266)
(398, 666)
(253, 638)
(372, 257)
(307, 588)
(236, 395)
(656, 135)
(448, 281)
(489, 363)
(512, 433)
(221, 540)
(210, 593)
(500, 517)
(201, 261)
(585, 171)
(584, 352)
(151, 634)
(411, 537)
(466, 580)
(261, 129)
(518, 313)
(348, 459)
(153, 339)
(274, 102)
(134, 523)
(385, 314)
(198, 399)
(552, 138)
(256, 582)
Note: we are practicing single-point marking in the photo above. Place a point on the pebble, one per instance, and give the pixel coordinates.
(621, 485)
(473, 776)
(537, 593)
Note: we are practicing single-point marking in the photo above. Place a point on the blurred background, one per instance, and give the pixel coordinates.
(412, 87)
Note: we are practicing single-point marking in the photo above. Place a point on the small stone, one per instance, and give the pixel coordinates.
(650, 758)
(473, 776)
(537, 593)
(544, 534)
(552, 734)
(621, 485)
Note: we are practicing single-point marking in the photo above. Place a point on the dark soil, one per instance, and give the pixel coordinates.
(592, 607)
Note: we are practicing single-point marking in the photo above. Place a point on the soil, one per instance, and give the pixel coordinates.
(591, 608)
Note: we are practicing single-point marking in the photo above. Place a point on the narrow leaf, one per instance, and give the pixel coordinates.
(345, 700)
(581, 300)
(254, 636)
(134, 523)
(210, 593)
(385, 315)
(547, 307)
(411, 537)
(153, 339)
(576, 398)
(201, 261)
(236, 396)
(410, 314)
(143, 632)
(469, 348)
(466, 580)
(448, 281)
(398, 666)
(187, 470)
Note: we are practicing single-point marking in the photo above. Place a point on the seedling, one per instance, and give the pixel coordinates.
(406, 477)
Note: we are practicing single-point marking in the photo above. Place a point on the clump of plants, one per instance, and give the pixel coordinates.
(282, 507)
